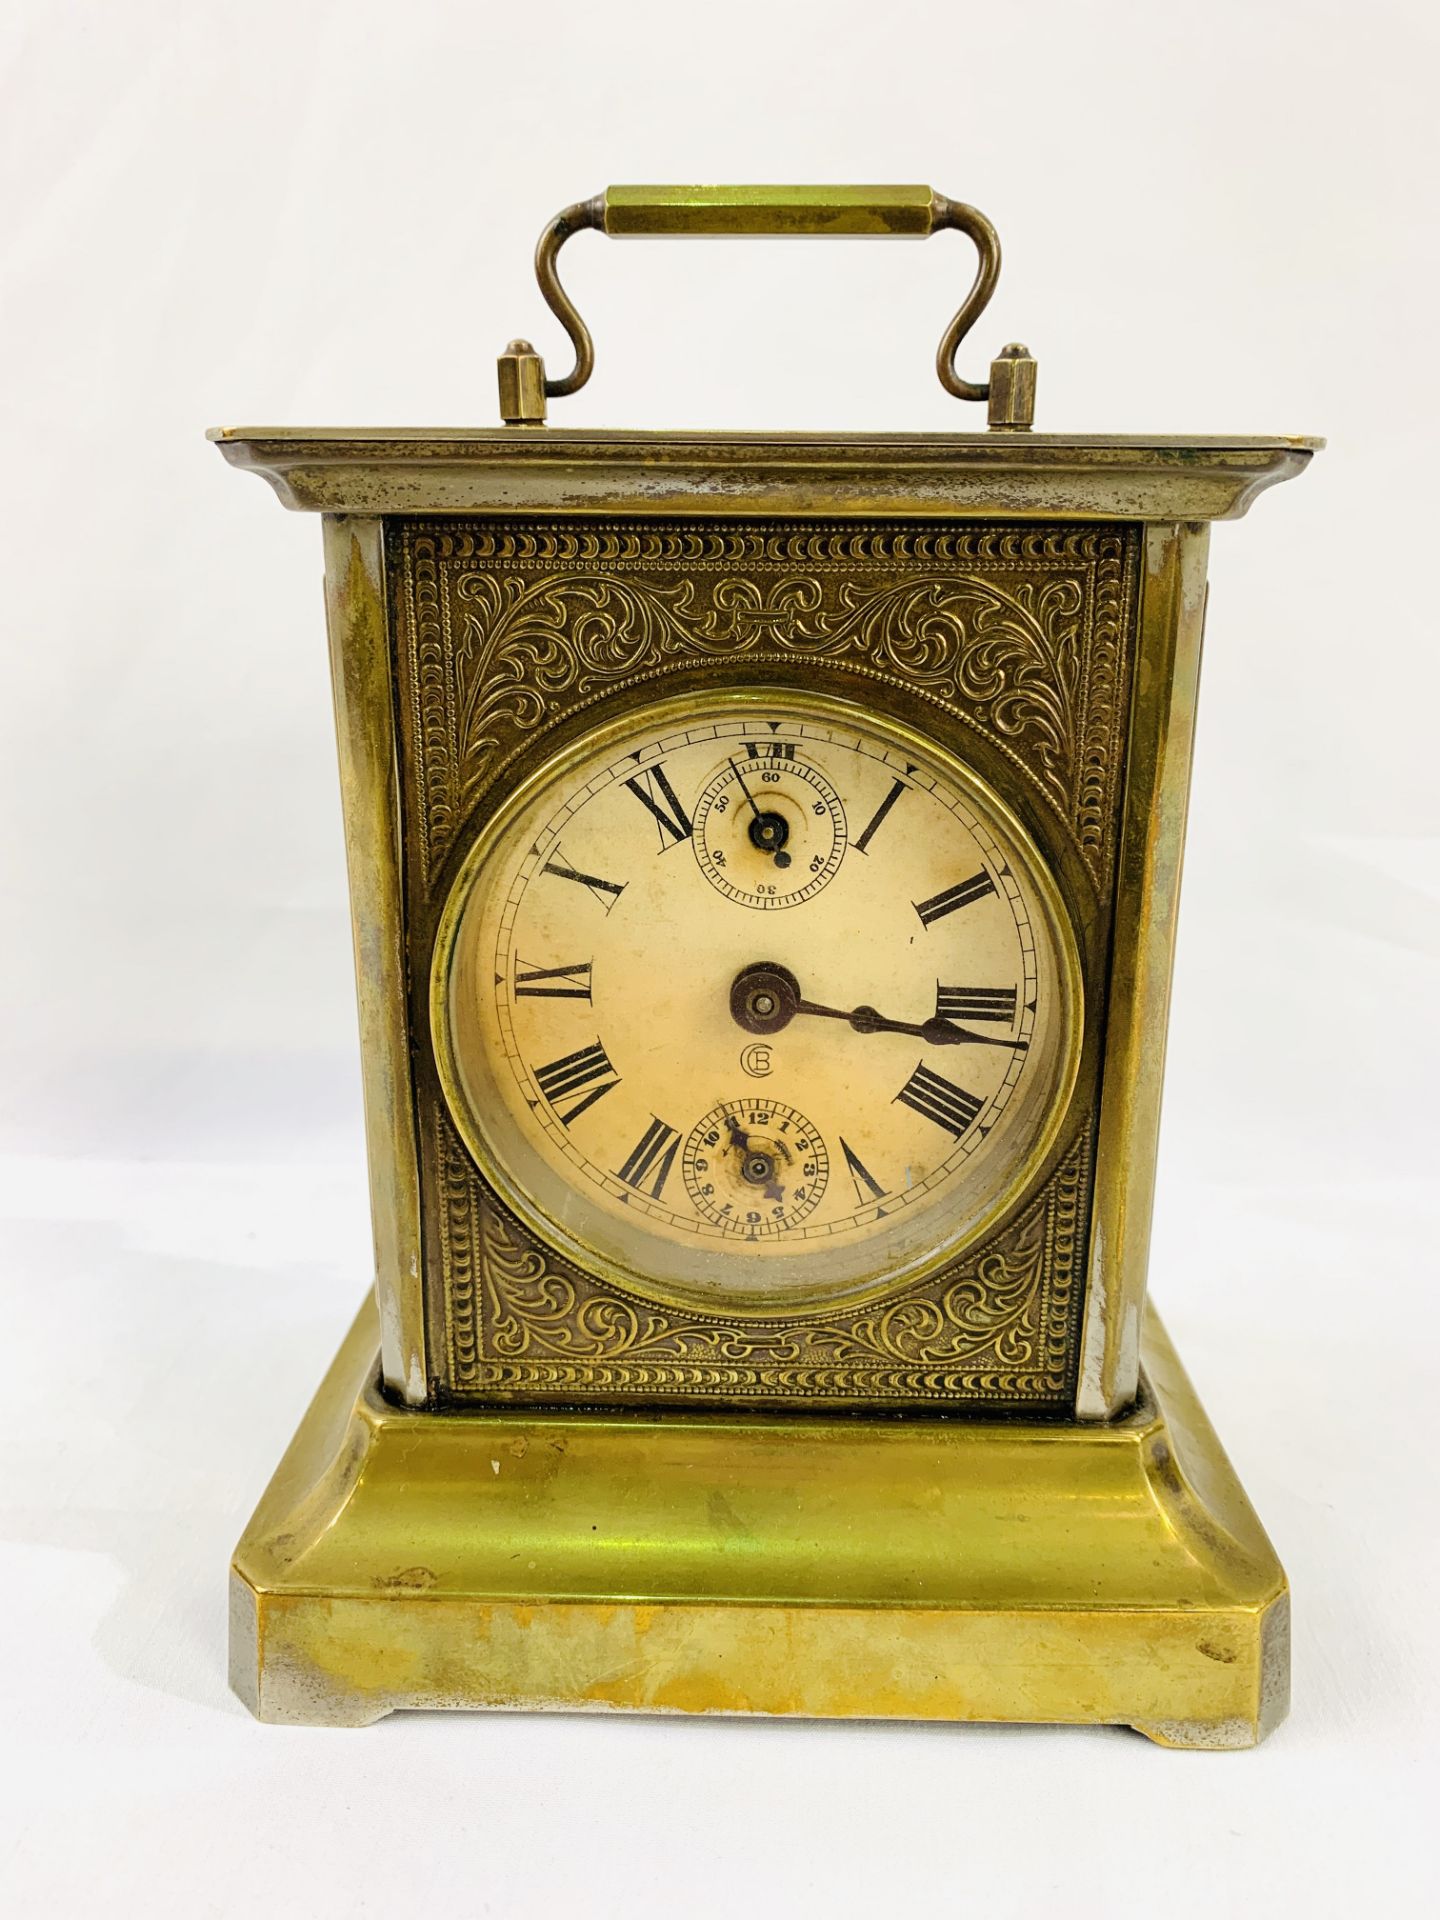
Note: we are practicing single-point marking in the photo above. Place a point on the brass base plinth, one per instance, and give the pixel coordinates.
(742, 1563)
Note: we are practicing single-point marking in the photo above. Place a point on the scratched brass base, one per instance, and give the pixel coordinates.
(702, 1563)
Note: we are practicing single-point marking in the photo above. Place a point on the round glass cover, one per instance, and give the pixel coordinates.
(754, 1000)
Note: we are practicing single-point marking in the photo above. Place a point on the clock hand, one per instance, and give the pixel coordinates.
(766, 997)
(746, 791)
(768, 831)
(935, 1033)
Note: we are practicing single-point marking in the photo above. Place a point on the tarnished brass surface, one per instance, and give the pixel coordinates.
(717, 1560)
(1013, 377)
(1009, 646)
(355, 607)
(1158, 758)
(522, 385)
(748, 1564)
(450, 677)
(897, 210)
(501, 470)
(792, 211)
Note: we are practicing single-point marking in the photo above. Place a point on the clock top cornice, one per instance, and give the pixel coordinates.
(410, 470)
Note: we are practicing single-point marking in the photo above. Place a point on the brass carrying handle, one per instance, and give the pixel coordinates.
(907, 211)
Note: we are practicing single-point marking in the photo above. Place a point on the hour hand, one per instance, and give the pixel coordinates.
(766, 997)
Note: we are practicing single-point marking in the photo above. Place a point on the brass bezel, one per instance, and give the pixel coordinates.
(753, 1306)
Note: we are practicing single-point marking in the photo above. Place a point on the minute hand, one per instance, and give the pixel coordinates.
(935, 1033)
(745, 790)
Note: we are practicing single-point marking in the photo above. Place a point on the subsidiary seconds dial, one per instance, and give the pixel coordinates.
(755, 1002)
(769, 828)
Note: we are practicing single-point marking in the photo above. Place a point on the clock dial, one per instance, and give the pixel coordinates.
(755, 1168)
(769, 800)
(756, 1000)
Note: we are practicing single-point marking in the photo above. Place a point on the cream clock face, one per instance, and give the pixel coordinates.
(755, 1000)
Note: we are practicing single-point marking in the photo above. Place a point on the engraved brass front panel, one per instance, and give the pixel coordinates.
(1010, 645)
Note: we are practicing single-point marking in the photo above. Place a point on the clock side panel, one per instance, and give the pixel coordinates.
(1011, 645)
(356, 603)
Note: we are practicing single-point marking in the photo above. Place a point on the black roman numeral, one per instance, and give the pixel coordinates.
(770, 750)
(597, 887)
(653, 1155)
(964, 894)
(861, 1175)
(576, 1081)
(932, 1095)
(670, 816)
(877, 819)
(975, 1003)
(578, 976)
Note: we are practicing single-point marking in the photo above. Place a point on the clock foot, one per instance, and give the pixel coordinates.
(513, 1557)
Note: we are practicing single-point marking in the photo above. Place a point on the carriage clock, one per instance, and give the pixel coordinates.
(764, 853)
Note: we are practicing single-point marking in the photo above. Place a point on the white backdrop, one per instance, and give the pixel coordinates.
(1216, 218)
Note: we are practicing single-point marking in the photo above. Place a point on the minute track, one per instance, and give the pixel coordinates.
(592, 1100)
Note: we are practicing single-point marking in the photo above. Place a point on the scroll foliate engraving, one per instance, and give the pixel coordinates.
(1018, 635)
(1017, 632)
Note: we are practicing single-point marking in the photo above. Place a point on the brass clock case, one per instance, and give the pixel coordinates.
(524, 1480)
(1003, 647)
